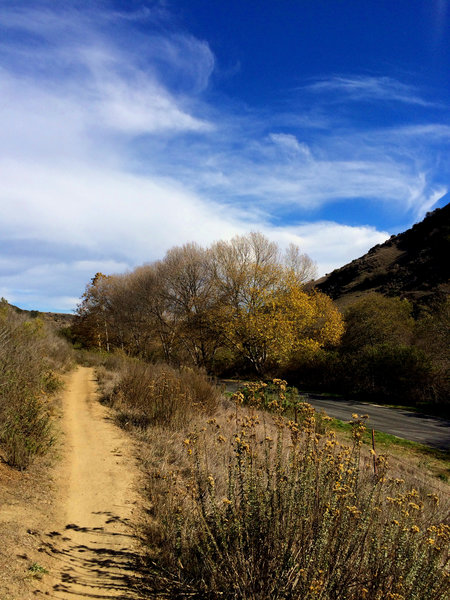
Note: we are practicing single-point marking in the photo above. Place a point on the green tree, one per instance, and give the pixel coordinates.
(376, 319)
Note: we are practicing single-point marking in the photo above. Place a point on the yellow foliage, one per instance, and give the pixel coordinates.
(281, 321)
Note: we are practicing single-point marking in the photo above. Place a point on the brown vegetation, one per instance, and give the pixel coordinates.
(412, 265)
(30, 355)
(159, 395)
(244, 505)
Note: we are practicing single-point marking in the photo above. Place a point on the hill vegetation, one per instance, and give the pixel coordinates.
(56, 320)
(412, 265)
(385, 354)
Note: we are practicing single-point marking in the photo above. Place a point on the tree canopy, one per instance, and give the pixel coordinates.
(241, 298)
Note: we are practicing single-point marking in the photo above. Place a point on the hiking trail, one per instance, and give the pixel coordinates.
(94, 548)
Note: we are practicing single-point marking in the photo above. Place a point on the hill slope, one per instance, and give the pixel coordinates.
(414, 265)
(58, 320)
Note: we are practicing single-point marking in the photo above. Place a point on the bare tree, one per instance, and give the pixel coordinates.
(187, 288)
(301, 265)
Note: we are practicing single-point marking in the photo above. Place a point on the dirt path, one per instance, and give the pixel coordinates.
(94, 546)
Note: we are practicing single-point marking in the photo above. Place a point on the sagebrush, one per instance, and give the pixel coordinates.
(30, 356)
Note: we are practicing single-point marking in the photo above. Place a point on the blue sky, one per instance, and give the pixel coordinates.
(131, 127)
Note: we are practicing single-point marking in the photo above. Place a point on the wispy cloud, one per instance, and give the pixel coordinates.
(71, 58)
(429, 131)
(289, 143)
(369, 89)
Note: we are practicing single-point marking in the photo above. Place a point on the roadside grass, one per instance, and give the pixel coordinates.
(434, 461)
(247, 504)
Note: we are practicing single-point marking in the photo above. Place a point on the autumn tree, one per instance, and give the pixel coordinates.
(151, 328)
(300, 265)
(93, 312)
(266, 317)
(243, 297)
(188, 294)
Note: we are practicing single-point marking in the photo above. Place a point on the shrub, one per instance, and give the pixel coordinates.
(30, 354)
(297, 517)
(26, 432)
(399, 374)
(158, 394)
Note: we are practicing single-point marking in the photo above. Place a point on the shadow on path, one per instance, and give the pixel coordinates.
(95, 562)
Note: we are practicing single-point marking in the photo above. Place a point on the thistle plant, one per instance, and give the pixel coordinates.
(294, 514)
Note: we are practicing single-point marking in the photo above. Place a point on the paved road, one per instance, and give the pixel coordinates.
(402, 423)
(423, 429)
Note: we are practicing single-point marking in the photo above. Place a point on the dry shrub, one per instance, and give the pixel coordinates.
(256, 510)
(244, 505)
(159, 394)
(112, 361)
(27, 431)
(30, 355)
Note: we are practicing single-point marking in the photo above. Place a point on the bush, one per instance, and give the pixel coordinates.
(297, 517)
(397, 374)
(158, 394)
(30, 354)
(26, 432)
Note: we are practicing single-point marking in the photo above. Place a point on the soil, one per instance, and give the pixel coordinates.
(69, 531)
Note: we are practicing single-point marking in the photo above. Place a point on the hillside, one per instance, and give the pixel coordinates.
(414, 265)
(58, 320)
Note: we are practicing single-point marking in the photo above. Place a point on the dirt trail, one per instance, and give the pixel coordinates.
(94, 545)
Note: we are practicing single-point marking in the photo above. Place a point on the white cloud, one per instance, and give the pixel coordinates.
(317, 182)
(332, 245)
(370, 89)
(433, 131)
(427, 203)
(82, 71)
(290, 143)
(143, 108)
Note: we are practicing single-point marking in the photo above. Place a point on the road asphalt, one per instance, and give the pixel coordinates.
(424, 429)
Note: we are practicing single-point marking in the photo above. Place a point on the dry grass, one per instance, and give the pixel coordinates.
(30, 356)
(159, 395)
(244, 505)
(268, 511)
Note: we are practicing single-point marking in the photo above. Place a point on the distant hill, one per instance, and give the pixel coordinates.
(58, 320)
(413, 265)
